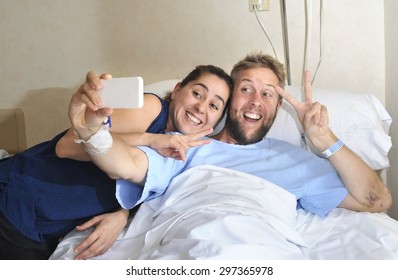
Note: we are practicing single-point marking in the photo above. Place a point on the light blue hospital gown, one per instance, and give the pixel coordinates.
(313, 180)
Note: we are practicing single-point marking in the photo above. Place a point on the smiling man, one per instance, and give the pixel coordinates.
(253, 108)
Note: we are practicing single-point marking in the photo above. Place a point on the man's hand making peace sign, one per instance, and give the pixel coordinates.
(312, 115)
(367, 191)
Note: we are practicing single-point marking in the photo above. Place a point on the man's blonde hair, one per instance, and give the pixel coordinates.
(260, 60)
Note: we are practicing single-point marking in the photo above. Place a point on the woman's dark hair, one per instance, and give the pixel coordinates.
(207, 69)
(201, 70)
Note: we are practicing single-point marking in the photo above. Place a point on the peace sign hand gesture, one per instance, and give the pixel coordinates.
(312, 115)
(367, 191)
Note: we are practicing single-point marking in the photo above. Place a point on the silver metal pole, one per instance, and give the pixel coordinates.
(285, 40)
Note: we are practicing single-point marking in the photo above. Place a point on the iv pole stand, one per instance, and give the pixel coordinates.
(285, 40)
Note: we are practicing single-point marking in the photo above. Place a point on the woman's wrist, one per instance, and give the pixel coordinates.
(97, 143)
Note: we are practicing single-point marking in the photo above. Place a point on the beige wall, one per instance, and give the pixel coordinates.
(391, 26)
(47, 46)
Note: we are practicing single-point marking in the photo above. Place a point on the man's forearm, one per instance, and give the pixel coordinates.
(364, 184)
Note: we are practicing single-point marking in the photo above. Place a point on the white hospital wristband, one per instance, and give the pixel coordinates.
(98, 143)
(332, 149)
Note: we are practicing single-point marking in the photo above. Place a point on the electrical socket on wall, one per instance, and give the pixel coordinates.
(259, 5)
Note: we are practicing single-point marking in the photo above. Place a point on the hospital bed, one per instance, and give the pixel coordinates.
(210, 212)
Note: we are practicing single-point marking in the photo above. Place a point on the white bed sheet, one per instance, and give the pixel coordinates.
(215, 213)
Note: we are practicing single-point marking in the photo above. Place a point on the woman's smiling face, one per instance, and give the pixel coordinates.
(198, 105)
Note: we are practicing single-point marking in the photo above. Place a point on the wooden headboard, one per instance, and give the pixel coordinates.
(12, 130)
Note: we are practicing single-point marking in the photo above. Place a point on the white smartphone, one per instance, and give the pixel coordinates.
(123, 92)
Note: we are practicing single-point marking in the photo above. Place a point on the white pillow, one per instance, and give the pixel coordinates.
(3, 154)
(162, 87)
(358, 119)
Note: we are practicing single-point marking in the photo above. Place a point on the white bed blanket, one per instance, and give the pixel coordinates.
(212, 212)
(349, 235)
(215, 213)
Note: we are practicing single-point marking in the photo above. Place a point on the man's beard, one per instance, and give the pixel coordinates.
(236, 131)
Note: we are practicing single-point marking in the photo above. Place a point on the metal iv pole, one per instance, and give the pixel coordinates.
(285, 40)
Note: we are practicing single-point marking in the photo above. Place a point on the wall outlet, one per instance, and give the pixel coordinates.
(259, 5)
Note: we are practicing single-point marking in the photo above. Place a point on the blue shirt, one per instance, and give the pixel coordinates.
(313, 180)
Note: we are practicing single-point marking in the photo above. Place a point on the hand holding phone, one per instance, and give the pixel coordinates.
(123, 92)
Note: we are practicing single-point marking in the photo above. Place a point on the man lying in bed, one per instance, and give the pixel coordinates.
(320, 185)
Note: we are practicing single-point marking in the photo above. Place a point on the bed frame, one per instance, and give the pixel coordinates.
(12, 130)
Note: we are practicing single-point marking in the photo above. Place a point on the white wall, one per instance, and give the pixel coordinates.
(47, 46)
